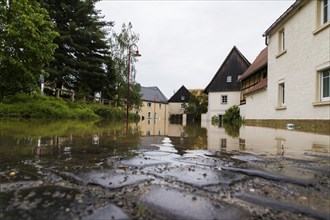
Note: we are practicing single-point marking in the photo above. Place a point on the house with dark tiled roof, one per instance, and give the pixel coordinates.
(153, 110)
(225, 88)
(254, 79)
(177, 104)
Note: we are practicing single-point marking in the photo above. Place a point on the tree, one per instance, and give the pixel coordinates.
(82, 60)
(119, 49)
(26, 45)
(232, 116)
(197, 104)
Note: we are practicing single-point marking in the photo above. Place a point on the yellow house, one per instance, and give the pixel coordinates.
(154, 111)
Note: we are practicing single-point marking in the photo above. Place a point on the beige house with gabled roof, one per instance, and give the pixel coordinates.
(153, 112)
(298, 87)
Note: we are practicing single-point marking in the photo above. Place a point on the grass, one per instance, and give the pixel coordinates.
(45, 107)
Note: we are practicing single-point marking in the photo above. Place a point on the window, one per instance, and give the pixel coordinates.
(281, 94)
(325, 85)
(281, 40)
(228, 79)
(326, 11)
(149, 114)
(182, 98)
(149, 104)
(182, 105)
(224, 99)
(155, 115)
(160, 105)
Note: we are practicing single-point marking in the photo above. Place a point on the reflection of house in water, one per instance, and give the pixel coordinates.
(268, 140)
(218, 139)
(154, 133)
(154, 112)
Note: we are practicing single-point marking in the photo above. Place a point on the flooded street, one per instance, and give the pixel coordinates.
(94, 170)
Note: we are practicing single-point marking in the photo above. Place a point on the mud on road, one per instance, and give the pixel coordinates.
(159, 183)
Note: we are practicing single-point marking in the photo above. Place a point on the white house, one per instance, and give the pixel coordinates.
(298, 86)
(224, 89)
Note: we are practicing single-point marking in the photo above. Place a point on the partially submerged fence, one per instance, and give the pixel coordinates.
(87, 99)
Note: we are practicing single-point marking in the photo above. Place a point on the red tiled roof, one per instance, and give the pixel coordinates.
(257, 64)
(262, 84)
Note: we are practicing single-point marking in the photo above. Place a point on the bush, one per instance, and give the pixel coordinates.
(232, 116)
(111, 113)
(37, 106)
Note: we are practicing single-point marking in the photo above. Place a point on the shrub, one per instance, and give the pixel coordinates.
(232, 116)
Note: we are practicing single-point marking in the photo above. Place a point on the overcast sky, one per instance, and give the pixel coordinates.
(185, 42)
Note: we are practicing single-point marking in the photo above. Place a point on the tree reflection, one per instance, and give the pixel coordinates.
(232, 129)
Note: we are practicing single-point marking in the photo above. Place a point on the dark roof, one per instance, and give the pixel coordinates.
(181, 93)
(152, 94)
(259, 63)
(234, 65)
(286, 14)
(260, 85)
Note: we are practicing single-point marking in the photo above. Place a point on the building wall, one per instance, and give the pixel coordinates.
(154, 125)
(306, 53)
(216, 108)
(175, 108)
(255, 105)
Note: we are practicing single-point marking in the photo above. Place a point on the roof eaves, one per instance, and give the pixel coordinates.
(253, 72)
(287, 13)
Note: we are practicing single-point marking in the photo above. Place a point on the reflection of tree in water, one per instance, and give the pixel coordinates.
(197, 136)
(232, 129)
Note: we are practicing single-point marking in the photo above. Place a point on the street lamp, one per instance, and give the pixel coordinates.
(135, 54)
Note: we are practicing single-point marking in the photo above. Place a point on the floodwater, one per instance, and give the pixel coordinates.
(45, 165)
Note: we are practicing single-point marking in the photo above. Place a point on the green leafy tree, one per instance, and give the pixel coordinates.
(232, 116)
(26, 45)
(82, 60)
(197, 104)
(120, 43)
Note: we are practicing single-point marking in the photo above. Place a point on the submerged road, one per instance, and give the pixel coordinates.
(159, 183)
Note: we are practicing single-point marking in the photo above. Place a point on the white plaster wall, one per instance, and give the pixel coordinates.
(175, 108)
(256, 105)
(216, 108)
(297, 67)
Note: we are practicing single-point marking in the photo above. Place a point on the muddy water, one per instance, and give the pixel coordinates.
(89, 170)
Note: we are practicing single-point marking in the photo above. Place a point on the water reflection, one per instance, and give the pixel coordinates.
(72, 143)
(64, 143)
(278, 142)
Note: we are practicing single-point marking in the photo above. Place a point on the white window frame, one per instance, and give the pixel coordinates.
(149, 104)
(224, 99)
(183, 98)
(322, 80)
(149, 114)
(229, 79)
